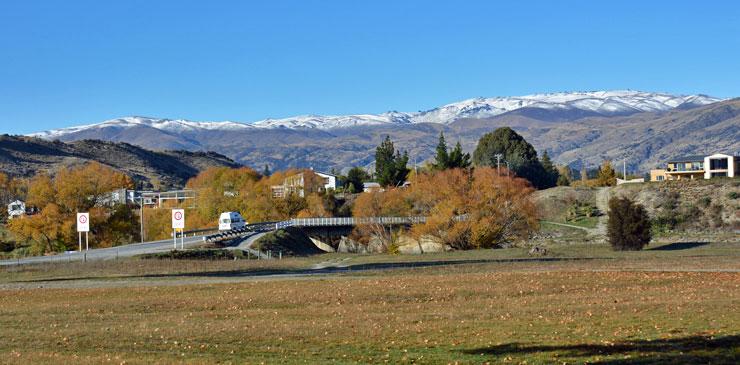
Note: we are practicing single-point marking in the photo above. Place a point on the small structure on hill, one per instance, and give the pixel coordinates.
(371, 186)
(16, 209)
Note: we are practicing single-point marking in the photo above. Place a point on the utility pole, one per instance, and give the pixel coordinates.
(141, 217)
(498, 163)
(624, 169)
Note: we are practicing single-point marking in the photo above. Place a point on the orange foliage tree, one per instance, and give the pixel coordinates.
(389, 203)
(77, 189)
(464, 208)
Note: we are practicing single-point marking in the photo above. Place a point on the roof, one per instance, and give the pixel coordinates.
(687, 159)
(324, 173)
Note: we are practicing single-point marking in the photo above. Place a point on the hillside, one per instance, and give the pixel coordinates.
(704, 206)
(26, 156)
(575, 128)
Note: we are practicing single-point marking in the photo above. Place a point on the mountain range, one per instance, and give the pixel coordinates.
(576, 128)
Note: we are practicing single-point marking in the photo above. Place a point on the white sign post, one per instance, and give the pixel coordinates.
(83, 225)
(178, 223)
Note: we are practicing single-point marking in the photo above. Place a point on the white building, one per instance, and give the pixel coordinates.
(16, 209)
(330, 181)
(371, 186)
(720, 165)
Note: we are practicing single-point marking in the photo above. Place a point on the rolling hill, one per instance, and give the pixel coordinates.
(26, 156)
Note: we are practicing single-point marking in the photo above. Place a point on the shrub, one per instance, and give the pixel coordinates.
(705, 201)
(732, 195)
(628, 227)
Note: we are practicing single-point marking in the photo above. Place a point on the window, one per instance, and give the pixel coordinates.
(660, 178)
(718, 164)
(719, 174)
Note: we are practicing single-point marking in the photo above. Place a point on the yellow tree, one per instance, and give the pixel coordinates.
(607, 176)
(389, 203)
(72, 190)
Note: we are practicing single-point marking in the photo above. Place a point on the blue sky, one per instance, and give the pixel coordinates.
(64, 63)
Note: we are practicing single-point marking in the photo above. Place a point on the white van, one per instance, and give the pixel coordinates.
(230, 220)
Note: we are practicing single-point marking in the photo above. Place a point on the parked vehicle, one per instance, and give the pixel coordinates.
(231, 220)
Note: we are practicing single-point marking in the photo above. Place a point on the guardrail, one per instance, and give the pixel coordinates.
(241, 232)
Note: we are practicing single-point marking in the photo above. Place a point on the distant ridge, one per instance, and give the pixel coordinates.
(592, 103)
(575, 128)
(27, 156)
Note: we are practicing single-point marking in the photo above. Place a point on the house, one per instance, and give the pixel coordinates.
(16, 209)
(696, 167)
(304, 183)
(371, 186)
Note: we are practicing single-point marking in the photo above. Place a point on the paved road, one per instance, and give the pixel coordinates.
(246, 245)
(567, 225)
(108, 253)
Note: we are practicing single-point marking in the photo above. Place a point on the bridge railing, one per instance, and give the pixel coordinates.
(350, 221)
(314, 222)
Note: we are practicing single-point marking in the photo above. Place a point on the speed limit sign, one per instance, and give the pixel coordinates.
(83, 222)
(178, 218)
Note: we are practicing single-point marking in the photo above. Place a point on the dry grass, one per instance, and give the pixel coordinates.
(539, 312)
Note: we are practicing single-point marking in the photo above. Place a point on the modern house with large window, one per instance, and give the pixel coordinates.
(721, 165)
(697, 167)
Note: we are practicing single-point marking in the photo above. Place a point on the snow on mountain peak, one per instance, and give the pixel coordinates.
(615, 102)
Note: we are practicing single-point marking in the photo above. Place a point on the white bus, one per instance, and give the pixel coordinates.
(231, 220)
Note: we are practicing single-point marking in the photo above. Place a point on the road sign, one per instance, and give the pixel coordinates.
(178, 218)
(83, 222)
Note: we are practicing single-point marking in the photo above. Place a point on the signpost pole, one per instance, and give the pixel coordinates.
(178, 224)
(80, 236)
(87, 244)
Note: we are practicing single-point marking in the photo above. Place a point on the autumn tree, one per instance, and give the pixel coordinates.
(473, 209)
(72, 190)
(564, 176)
(10, 189)
(223, 189)
(606, 176)
(390, 203)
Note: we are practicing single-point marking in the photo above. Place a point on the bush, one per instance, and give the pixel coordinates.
(628, 228)
(705, 202)
(732, 195)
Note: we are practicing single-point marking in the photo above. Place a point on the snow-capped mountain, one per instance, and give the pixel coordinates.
(169, 125)
(606, 103)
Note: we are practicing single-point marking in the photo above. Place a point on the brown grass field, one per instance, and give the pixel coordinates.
(675, 305)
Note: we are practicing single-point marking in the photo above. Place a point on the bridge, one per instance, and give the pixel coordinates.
(345, 222)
